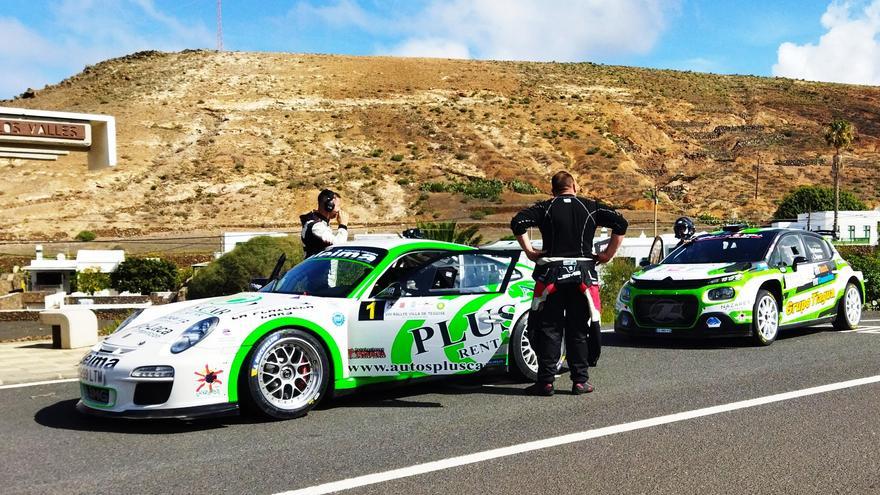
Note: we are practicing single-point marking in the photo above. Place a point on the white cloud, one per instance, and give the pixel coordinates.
(848, 52)
(540, 30)
(82, 32)
(431, 47)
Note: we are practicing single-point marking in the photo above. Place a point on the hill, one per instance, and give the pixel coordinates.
(210, 141)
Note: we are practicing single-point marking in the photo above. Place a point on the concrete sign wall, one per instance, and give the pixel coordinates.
(46, 135)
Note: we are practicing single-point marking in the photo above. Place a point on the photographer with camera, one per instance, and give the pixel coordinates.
(317, 234)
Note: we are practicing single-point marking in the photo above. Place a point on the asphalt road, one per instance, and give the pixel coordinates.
(822, 443)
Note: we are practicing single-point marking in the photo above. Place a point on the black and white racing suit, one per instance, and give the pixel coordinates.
(317, 234)
(566, 298)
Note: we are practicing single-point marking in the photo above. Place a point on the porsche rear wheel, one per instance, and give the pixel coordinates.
(522, 359)
(287, 374)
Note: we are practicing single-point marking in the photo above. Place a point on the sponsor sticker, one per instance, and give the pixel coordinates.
(366, 353)
(338, 319)
(713, 322)
(208, 381)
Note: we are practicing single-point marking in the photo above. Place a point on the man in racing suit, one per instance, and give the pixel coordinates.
(566, 298)
(317, 234)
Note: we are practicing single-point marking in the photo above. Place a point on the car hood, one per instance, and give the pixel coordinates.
(166, 323)
(690, 271)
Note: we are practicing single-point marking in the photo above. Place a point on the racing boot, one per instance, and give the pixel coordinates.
(539, 389)
(581, 388)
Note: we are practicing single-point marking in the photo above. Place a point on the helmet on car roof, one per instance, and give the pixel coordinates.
(684, 228)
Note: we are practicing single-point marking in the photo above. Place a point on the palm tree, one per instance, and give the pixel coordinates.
(839, 135)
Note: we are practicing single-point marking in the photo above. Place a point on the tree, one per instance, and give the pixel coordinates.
(144, 275)
(91, 280)
(233, 271)
(807, 199)
(86, 236)
(450, 232)
(839, 135)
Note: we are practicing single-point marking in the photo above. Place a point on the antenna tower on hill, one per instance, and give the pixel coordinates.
(219, 26)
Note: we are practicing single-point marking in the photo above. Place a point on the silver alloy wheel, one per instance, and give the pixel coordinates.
(290, 373)
(528, 354)
(768, 318)
(853, 305)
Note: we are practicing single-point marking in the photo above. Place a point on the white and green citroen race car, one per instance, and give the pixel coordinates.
(742, 282)
(353, 315)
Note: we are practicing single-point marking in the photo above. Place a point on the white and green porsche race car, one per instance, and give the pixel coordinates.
(353, 315)
(742, 282)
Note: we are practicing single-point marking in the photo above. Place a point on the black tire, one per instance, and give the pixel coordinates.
(523, 364)
(286, 374)
(763, 330)
(846, 319)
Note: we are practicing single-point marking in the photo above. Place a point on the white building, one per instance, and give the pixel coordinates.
(854, 227)
(58, 274)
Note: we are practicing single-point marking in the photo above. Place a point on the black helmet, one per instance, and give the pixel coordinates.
(684, 228)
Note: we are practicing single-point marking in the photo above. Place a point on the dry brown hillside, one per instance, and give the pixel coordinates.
(211, 141)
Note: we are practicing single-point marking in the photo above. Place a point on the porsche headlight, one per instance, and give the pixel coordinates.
(128, 320)
(194, 334)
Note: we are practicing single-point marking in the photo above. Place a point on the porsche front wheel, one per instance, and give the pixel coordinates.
(287, 374)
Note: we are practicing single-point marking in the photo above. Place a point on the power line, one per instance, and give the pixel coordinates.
(219, 26)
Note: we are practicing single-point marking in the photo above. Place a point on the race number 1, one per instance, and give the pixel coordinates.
(372, 310)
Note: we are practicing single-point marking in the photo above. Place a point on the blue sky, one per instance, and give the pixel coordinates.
(829, 40)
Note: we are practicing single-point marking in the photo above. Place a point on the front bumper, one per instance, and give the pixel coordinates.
(176, 413)
(625, 324)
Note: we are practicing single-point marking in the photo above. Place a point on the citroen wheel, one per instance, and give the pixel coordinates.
(765, 318)
(287, 374)
(849, 309)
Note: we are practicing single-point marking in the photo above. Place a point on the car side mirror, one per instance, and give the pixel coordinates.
(390, 293)
(797, 261)
(644, 263)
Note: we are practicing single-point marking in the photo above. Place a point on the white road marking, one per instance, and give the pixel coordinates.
(463, 460)
(34, 384)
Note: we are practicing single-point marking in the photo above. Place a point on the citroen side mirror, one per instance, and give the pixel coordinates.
(798, 260)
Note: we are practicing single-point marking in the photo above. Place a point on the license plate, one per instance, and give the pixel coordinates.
(97, 395)
(664, 330)
(92, 375)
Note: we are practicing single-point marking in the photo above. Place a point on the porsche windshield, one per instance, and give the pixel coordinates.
(723, 248)
(334, 272)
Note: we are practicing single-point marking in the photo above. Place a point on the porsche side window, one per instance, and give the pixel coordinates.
(818, 249)
(400, 267)
(788, 248)
(458, 274)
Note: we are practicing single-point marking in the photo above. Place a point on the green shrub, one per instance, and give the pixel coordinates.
(144, 275)
(233, 271)
(376, 153)
(478, 214)
(522, 187)
(86, 236)
(805, 199)
(866, 260)
(396, 158)
(403, 181)
(614, 275)
(592, 150)
(91, 280)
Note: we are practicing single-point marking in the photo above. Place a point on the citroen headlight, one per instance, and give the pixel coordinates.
(128, 320)
(724, 280)
(194, 334)
(721, 293)
(624, 294)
